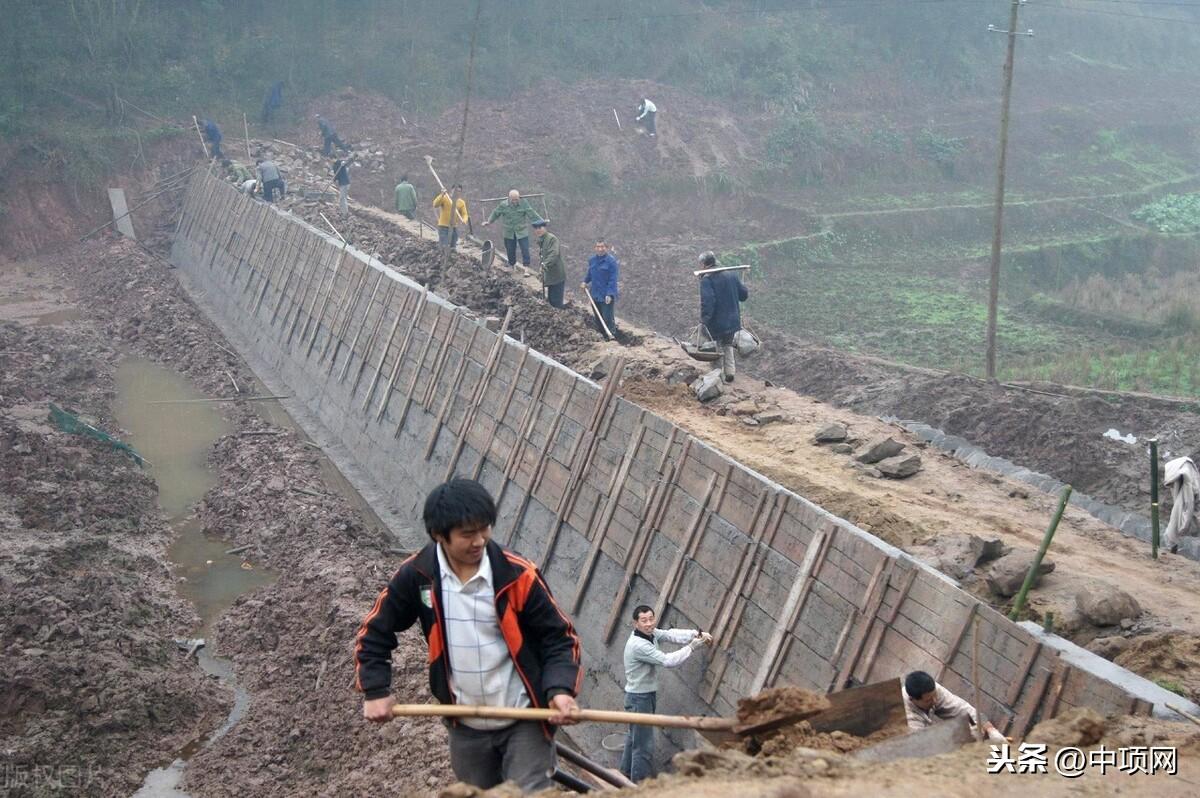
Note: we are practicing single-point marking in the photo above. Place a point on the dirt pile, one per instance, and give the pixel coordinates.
(1171, 659)
(95, 690)
(778, 702)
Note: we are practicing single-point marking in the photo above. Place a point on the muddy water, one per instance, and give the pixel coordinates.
(175, 433)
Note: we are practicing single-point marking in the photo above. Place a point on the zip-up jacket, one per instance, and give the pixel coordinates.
(720, 296)
(540, 638)
(602, 276)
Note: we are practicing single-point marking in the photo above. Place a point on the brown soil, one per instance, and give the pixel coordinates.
(1171, 659)
(775, 702)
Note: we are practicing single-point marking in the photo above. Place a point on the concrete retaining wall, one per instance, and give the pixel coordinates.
(618, 505)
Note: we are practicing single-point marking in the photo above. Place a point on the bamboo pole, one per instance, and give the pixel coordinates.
(246, 127)
(1154, 531)
(592, 715)
(1019, 604)
(196, 122)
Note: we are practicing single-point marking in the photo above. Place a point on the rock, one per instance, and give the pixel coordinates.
(770, 417)
(683, 374)
(750, 421)
(746, 407)
(841, 448)
(880, 449)
(709, 386)
(1108, 647)
(1126, 624)
(1105, 605)
(1007, 574)
(831, 433)
(954, 555)
(275, 484)
(900, 466)
(993, 548)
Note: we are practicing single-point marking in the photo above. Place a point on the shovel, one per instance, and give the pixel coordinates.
(489, 254)
(701, 723)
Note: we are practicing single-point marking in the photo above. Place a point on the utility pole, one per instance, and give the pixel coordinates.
(997, 233)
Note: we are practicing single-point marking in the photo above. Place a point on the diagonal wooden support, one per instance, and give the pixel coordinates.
(614, 494)
(1031, 654)
(439, 362)
(872, 600)
(687, 547)
(814, 556)
(1023, 717)
(316, 327)
(377, 327)
(952, 649)
(316, 297)
(370, 394)
(405, 343)
(640, 543)
(503, 413)
(361, 326)
(449, 396)
(873, 648)
(310, 264)
(345, 310)
(540, 469)
(418, 364)
(437, 368)
(480, 391)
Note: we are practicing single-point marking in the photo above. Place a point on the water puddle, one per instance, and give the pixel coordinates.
(176, 437)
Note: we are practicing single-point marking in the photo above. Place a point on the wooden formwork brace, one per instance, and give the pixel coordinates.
(481, 387)
(361, 326)
(316, 327)
(448, 400)
(348, 320)
(1031, 654)
(503, 413)
(1062, 671)
(281, 262)
(398, 363)
(1023, 717)
(814, 558)
(952, 649)
(615, 487)
(377, 327)
(439, 360)
(263, 267)
(412, 386)
(576, 473)
(310, 264)
(525, 430)
(655, 506)
(316, 279)
(382, 356)
(758, 523)
(295, 265)
(304, 255)
(873, 649)
(540, 469)
(872, 600)
(268, 241)
(341, 314)
(687, 546)
(248, 250)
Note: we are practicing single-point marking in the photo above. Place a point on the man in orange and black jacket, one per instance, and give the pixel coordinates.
(496, 637)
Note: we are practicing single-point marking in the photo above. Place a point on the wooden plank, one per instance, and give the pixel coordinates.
(341, 316)
(357, 333)
(873, 598)
(1014, 690)
(952, 649)
(504, 406)
(1057, 682)
(614, 492)
(448, 400)
(883, 628)
(791, 608)
(539, 469)
(402, 354)
(861, 711)
(740, 573)
(316, 327)
(683, 554)
(1023, 717)
(480, 390)
(524, 430)
(439, 361)
(315, 260)
(379, 367)
(378, 326)
(417, 366)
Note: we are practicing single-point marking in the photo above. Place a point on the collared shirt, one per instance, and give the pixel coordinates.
(647, 108)
(643, 657)
(946, 705)
(481, 668)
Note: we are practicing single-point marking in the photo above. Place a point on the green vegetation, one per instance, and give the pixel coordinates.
(1172, 685)
(1174, 213)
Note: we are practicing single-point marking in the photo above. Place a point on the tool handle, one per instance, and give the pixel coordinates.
(533, 713)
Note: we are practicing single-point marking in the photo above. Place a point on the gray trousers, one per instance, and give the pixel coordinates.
(519, 753)
(343, 194)
(728, 354)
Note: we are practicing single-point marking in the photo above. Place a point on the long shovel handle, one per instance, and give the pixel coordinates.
(591, 715)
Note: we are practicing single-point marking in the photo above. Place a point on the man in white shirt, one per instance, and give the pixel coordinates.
(926, 702)
(496, 638)
(643, 658)
(647, 111)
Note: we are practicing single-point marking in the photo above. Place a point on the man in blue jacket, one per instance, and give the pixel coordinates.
(213, 134)
(721, 295)
(601, 283)
(496, 638)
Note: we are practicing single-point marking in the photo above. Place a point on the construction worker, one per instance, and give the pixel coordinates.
(721, 295)
(554, 273)
(926, 702)
(329, 137)
(643, 658)
(447, 233)
(1184, 480)
(646, 110)
(601, 282)
(516, 214)
(243, 178)
(213, 134)
(341, 176)
(406, 197)
(270, 179)
(496, 638)
(273, 101)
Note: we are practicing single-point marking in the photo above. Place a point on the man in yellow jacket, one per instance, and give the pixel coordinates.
(447, 232)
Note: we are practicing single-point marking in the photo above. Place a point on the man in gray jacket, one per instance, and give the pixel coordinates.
(643, 658)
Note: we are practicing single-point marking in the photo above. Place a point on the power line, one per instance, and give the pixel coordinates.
(779, 10)
(1123, 14)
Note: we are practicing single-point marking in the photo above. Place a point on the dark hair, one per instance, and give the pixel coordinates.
(919, 683)
(640, 609)
(602, 241)
(403, 178)
(459, 502)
